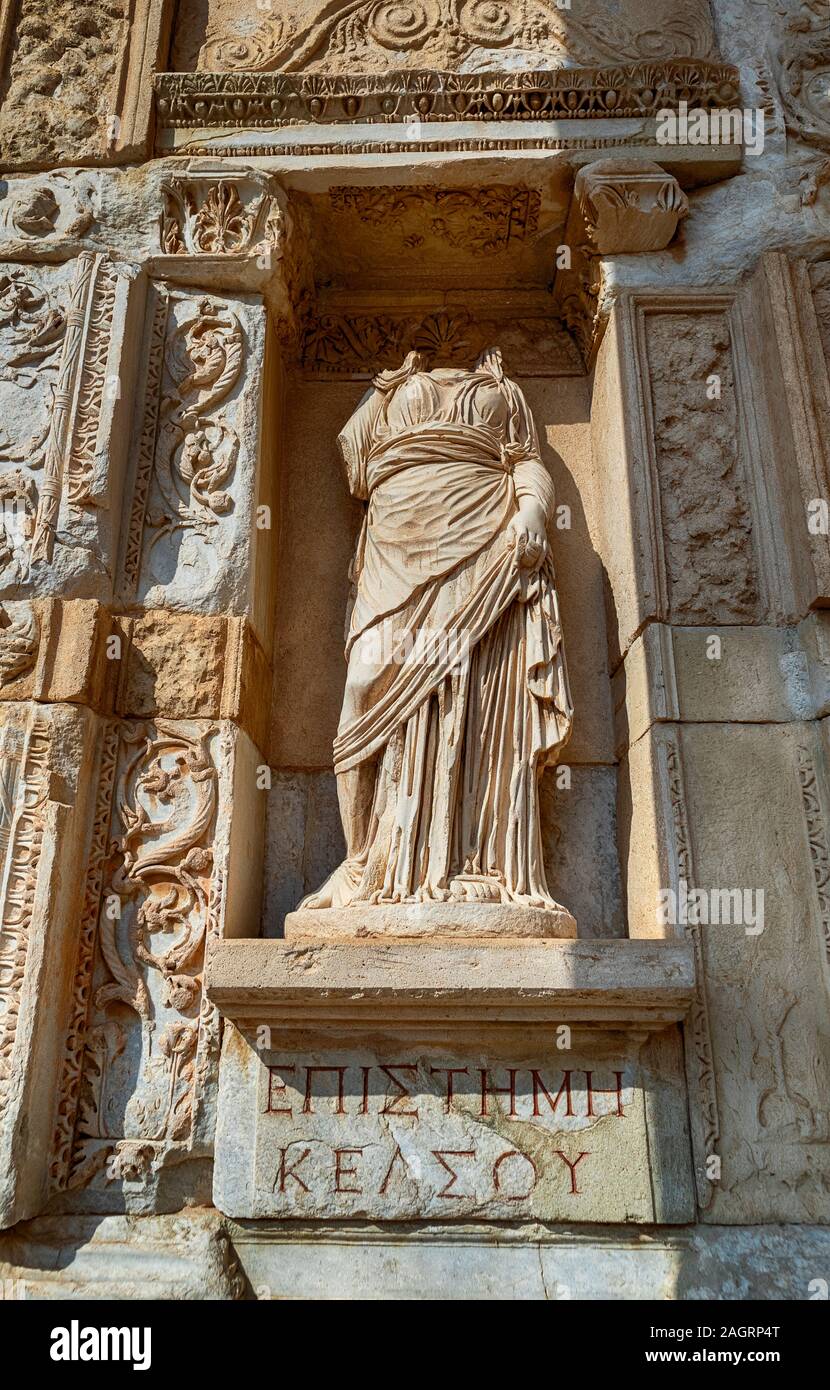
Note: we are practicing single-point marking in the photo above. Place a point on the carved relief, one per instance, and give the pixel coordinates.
(57, 205)
(18, 644)
(706, 519)
(234, 216)
(54, 347)
(23, 793)
(362, 344)
(138, 1000)
(701, 1066)
(194, 461)
(196, 449)
(817, 838)
(801, 62)
(629, 206)
(479, 221)
(371, 35)
(204, 99)
(32, 326)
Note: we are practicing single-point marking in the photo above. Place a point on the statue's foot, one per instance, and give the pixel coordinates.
(339, 888)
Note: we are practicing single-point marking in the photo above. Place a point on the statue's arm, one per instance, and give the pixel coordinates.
(533, 484)
(356, 439)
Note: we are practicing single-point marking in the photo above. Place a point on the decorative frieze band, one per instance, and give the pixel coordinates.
(199, 99)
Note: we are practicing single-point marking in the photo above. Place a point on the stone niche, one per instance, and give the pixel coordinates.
(447, 270)
(426, 1079)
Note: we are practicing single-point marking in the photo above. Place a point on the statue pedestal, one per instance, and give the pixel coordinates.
(457, 920)
(409, 1080)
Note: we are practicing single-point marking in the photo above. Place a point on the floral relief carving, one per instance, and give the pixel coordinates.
(362, 344)
(146, 1025)
(55, 341)
(23, 796)
(801, 62)
(229, 217)
(270, 99)
(197, 448)
(480, 221)
(363, 35)
(18, 643)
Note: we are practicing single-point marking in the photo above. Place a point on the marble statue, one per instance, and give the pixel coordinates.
(456, 693)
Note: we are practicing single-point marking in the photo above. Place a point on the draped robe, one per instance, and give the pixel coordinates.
(456, 690)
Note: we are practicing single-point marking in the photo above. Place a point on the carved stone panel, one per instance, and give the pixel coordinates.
(189, 541)
(47, 769)
(453, 35)
(63, 391)
(395, 1128)
(138, 1074)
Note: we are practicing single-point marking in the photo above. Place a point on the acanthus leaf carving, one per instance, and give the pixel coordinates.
(480, 221)
(197, 449)
(629, 206)
(231, 216)
(361, 344)
(142, 1021)
(18, 644)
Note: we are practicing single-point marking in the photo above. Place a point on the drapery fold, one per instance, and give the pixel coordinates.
(456, 692)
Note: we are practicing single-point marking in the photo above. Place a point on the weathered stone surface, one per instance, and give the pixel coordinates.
(160, 1257)
(76, 80)
(181, 340)
(462, 1261)
(442, 982)
(416, 920)
(313, 1128)
(48, 766)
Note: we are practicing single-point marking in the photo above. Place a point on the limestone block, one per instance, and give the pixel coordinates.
(54, 650)
(688, 524)
(192, 541)
(47, 772)
(67, 358)
(417, 921)
(579, 842)
(757, 802)
(460, 1261)
(175, 860)
(186, 1256)
(183, 666)
(500, 1126)
(440, 983)
(698, 675)
(56, 109)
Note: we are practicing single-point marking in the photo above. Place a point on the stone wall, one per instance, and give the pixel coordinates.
(217, 223)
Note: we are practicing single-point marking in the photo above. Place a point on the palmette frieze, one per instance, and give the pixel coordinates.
(269, 99)
(361, 344)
